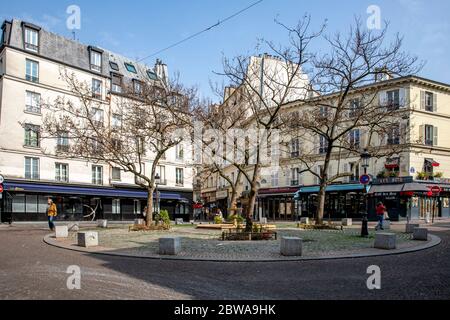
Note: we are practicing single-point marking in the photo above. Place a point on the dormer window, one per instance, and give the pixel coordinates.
(95, 59)
(130, 68)
(116, 83)
(137, 86)
(114, 66)
(152, 75)
(31, 40)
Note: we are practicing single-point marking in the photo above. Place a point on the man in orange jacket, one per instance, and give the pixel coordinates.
(52, 212)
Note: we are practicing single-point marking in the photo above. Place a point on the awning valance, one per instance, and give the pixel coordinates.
(85, 191)
(330, 188)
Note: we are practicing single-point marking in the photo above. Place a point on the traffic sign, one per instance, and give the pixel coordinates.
(436, 190)
(1, 179)
(1, 188)
(365, 179)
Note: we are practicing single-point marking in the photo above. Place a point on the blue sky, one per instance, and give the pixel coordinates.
(138, 28)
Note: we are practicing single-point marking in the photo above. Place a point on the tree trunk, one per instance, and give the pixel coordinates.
(234, 193)
(251, 208)
(149, 216)
(321, 204)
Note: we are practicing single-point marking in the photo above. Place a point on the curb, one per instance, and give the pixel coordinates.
(433, 242)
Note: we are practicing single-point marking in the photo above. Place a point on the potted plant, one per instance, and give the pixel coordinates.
(421, 175)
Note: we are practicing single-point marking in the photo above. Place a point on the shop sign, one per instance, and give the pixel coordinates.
(393, 180)
(222, 194)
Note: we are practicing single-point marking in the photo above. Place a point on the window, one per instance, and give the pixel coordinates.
(354, 108)
(354, 139)
(97, 175)
(97, 116)
(116, 174)
(33, 102)
(137, 207)
(31, 40)
(32, 135)
(130, 67)
(116, 206)
(114, 66)
(295, 147)
(393, 99)
(62, 143)
(62, 172)
(96, 61)
(179, 152)
(31, 168)
(116, 121)
(393, 135)
(179, 176)
(161, 170)
(429, 135)
(116, 83)
(294, 177)
(354, 169)
(152, 75)
(32, 71)
(137, 87)
(323, 145)
(323, 111)
(96, 89)
(275, 179)
(429, 101)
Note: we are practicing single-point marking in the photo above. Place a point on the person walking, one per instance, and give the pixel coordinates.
(52, 212)
(381, 211)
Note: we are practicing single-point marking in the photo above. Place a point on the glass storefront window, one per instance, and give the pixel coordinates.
(18, 203)
(31, 203)
(42, 206)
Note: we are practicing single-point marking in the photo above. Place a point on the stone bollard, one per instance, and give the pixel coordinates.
(61, 232)
(347, 222)
(410, 227)
(179, 221)
(102, 223)
(169, 246)
(420, 234)
(88, 239)
(387, 225)
(291, 246)
(304, 220)
(139, 222)
(386, 241)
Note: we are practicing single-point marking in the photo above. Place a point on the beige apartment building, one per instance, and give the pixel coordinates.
(32, 61)
(403, 181)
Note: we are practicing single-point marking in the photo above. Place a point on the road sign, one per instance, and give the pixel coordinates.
(1, 188)
(436, 190)
(1, 179)
(365, 179)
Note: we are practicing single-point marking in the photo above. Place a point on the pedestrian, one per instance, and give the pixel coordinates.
(144, 213)
(381, 212)
(52, 212)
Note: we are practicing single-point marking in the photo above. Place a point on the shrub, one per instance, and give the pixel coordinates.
(218, 220)
(165, 218)
(239, 219)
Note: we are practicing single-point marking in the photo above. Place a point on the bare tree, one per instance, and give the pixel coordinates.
(127, 130)
(347, 112)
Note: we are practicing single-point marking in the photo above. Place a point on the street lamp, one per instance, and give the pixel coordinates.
(365, 180)
(157, 181)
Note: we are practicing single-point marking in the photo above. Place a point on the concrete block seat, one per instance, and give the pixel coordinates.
(420, 234)
(61, 232)
(291, 246)
(87, 239)
(410, 227)
(384, 240)
(169, 246)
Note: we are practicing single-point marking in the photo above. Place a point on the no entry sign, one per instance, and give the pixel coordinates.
(364, 179)
(436, 190)
(1, 188)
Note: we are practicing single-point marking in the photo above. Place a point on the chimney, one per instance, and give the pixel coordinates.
(161, 71)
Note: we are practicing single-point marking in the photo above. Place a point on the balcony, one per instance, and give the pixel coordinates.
(295, 183)
(295, 154)
(62, 148)
(393, 141)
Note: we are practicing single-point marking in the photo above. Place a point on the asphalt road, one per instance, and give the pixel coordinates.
(30, 269)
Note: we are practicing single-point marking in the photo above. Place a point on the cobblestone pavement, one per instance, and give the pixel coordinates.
(203, 244)
(31, 269)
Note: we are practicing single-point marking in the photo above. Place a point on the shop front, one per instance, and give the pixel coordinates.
(277, 204)
(406, 198)
(27, 201)
(342, 201)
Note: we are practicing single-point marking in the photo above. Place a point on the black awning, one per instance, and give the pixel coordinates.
(386, 188)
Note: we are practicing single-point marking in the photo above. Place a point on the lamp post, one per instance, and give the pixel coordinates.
(157, 180)
(365, 157)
